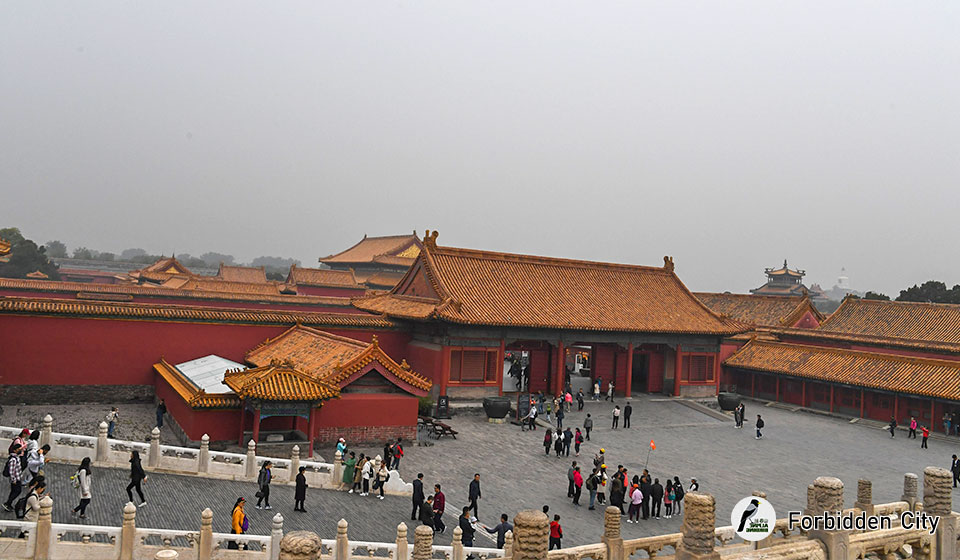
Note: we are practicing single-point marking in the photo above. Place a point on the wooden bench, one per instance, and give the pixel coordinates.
(440, 429)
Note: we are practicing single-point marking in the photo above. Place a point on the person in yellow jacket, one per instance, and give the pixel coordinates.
(238, 523)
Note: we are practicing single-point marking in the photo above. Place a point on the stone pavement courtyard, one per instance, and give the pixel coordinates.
(515, 473)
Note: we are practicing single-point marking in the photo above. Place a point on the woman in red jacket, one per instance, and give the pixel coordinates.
(556, 532)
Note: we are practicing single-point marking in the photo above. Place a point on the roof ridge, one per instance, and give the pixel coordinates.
(878, 355)
(759, 296)
(539, 259)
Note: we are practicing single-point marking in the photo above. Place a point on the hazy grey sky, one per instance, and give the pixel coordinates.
(730, 135)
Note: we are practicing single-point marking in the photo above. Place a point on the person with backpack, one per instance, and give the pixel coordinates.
(577, 441)
(760, 427)
(12, 470)
(35, 461)
(33, 446)
(592, 488)
(137, 477)
(397, 454)
(20, 440)
(678, 495)
(383, 475)
(892, 426)
(577, 485)
(668, 497)
(558, 443)
(263, 481)
(547, 441)
(238, 522)
(32, 501)
(81, 481)
(112, 418)
(579, 400)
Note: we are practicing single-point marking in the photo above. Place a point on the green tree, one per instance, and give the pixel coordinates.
(876, 295)
(130, 254)
(25, 257)
(214, 259)
(930, 291)
(84, 253)
(56, 249)
(106, 256)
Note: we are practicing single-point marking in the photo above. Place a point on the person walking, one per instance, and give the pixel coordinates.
(501, 530)
(33, 500)
(913, 428)
(238, 522)
(558, 443)
(560, 415)
(14, 471)
(656, 498)
(602, 485)
(568, 398)
(570, 485)
(588, 425)
(161, 411)
(439, 504)
(300, 492)
(925, 433)
(547, 441)
(678, 494)
(530, 419)
(616, 416)
(426, 513)
(112, 418)
(349, 468)
(474, 493)
(556, 533)
(596, 390)
(81, 481)
(35, 460)
(577, 485)
(592, 488)
(466, 527)
(263, 481)
(610, 392)
(955, 469)
(137, 478)
(892, 426)
(579, 400)
(358, 475)
(668, 497)
(417, 497)
(760, 427)
(397, 453)
(383, 475)
(567, 440)
(636, 498)
(577, 441)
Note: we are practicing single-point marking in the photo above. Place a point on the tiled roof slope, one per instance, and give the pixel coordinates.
(322, 277)
(279, 381)
(935, 322)
(202, 284)
(252, 274)
(383, 279)
(177, 313)
(768, 311)
(330, 357)
(370, 248)
(190, 393)
(168, 265)
(901, 374)
(501, 289)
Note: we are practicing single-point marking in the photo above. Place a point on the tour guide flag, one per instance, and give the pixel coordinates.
(652, 445)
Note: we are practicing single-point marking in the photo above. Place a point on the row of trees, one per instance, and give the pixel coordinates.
(25, 257)
(931, 291)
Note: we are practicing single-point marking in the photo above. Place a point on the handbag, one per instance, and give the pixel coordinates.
(246, 524)
(259, 494)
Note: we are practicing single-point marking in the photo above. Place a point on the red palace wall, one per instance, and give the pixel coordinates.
(539, 370)
(426, 360)
(656, 373)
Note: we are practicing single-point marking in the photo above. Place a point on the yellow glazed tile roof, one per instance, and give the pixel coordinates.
(770, 311)
(279, 381)
(934, 322)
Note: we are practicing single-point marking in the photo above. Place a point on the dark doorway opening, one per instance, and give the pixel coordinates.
(640, 376)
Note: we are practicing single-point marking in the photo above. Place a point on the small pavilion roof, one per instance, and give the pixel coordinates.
(398, 250)
(488, 288)
(328, 277)
(334, 359)
(38, 275)
(247, 274)
(758, 310)
(785, 271)
(886, 372)
(166, 265)
(279, 381)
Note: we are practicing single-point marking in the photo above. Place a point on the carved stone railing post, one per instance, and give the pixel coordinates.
(103, 445)
(154, 460)
(828, 496)
(910, 490)
(531, 535)
(46, 432)
(276, 535)
(41, 536)
(699, 526)
(864, 496)
(342, 550)
(205, 546)
(457, 544)
(251, 462)
(422, 543)
(294, 462)
(128, 532)
(203, 458)
(508, 544)
(403, 551)
(938, 500)
(300, 545)
(337, 469)
(762, 543)
(611, 533)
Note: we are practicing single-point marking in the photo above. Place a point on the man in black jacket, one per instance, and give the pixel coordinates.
(627, 411)
(426, 514)
(657, 497)
(417, 497)
(955, 469)
(646, 489)
(466, 528)
(474, 495)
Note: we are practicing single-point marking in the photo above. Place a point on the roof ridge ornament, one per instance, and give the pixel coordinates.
(375, 342)
(668, 263)
(430, 239)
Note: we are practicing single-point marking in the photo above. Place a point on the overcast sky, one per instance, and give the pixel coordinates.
(730, 135)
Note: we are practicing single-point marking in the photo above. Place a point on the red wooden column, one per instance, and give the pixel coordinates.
(243, 413)
(896, 408)
(500, 357)
(803, 393)
(256, 425)
(629, 384)
(558, 375)
(716, 372)
(444, 369)
(311, 425)
(933, 420)
(831, 398)
(861, 403)
(677, 369)
(753, 384)
(778, 389)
